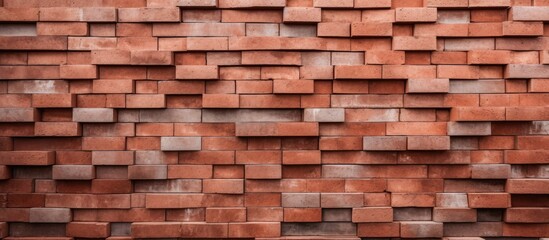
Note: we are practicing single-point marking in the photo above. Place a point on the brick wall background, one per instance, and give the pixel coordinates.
(274, 119)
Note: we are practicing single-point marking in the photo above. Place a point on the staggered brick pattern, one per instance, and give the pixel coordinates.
(274, 119)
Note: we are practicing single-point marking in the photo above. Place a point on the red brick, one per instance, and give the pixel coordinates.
(27, 158)
(379, 229)
(373, 214)
(197, 72)
(63, 29)
(88, 229)
(333, 29)
(420, 229)
(357, 72)
(416, 15)
(302, 214)
(371, 29)
(145, 101)
(529, 13)
(50, 215)
(199, 29)
(477, 114)
(489, 200)
(57, 129)
(219, 215)
(252, 229)
(263, 172)
(414, 43)
(527, 186)
(19, 14)
(277, 129)
(156, 229)
(300, 157)
(149, 15)
(301, 14)
(252, 4)
(230, 186)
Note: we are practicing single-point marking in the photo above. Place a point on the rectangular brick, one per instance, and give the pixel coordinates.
(416, 15)
(377, 29)
(149, 15)
(73, 172)
(180, 143)
(301, 15)
(18, 115)
(57, 129)
(27, 158)
(198, 29)
(94, 115)
(33, 43)
(276, 129)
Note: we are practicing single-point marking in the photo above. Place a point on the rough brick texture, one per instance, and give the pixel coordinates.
(274, 119)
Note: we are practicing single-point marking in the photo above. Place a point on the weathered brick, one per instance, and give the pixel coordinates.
(94, 115)
(180, 143)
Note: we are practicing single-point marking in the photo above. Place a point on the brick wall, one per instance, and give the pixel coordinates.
(274, 119)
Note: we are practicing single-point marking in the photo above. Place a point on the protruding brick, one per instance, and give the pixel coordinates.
(437, 85)
(324, 115)
(181, 143)
(27, 158)
(271, 58)
(197, 72)
(373, 214)
(50, 215)
(78, 71)
(229, 186)
(88, 229)
(377, 29)
(93, 115)
(489, 200)
(57, 129)
(428, 143)
(149, 15)
(18, 115)
(414, 43)
(358, 72)
(421, 229)
(73, 172)
(382, 143)
(416, 15)
(529, 13)
(302, 14)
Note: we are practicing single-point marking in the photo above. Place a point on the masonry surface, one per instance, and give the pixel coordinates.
(274, 119)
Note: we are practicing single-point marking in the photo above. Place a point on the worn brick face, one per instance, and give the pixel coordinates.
(274, 119)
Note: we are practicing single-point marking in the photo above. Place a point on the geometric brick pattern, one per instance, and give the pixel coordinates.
(274, 119)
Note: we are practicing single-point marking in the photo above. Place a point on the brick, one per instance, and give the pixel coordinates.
(198, 29)
(112, 158)
(324, 115)
(271, 58)
(416, 15)
(385, 57)
(18, 115)
(229, 186)
(302, 215)
(371, 29)
(488, 57)
(251, 4)
(151, 58)
(300, 157)
(19, 14)
(408, 71)
(301, 200)
(145, 101)
(147, 172)
(277, 129)
(526, 71)
(249, 229)
(527, 186)
(301, 14)
(88, 229)
(62, 29)
(469, 128)
(78, 71)
(197, 3)
(149, 15)
(382, 143)
(33, 43)
(412, 200)
(421, 229)
(50, 215)
(156, 229)
(373, 214)
(357, 72)
(333, 29)
(53, 100)
(414, 43)
(437, 85)
(263, 172)
(341, 200)
(526, 215)
(529, 13)
(93, 115)
(225, 214)
(428, 143)
(379, 229)
(73, 172)
(481, 86)
(57, 129)
(180, 143)
(484, 3)
(477, 114)
(197, 72)
(522, 28)
(210, 44)
(372, 4)
(27, 158)
(489, 200)
(491, 171)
